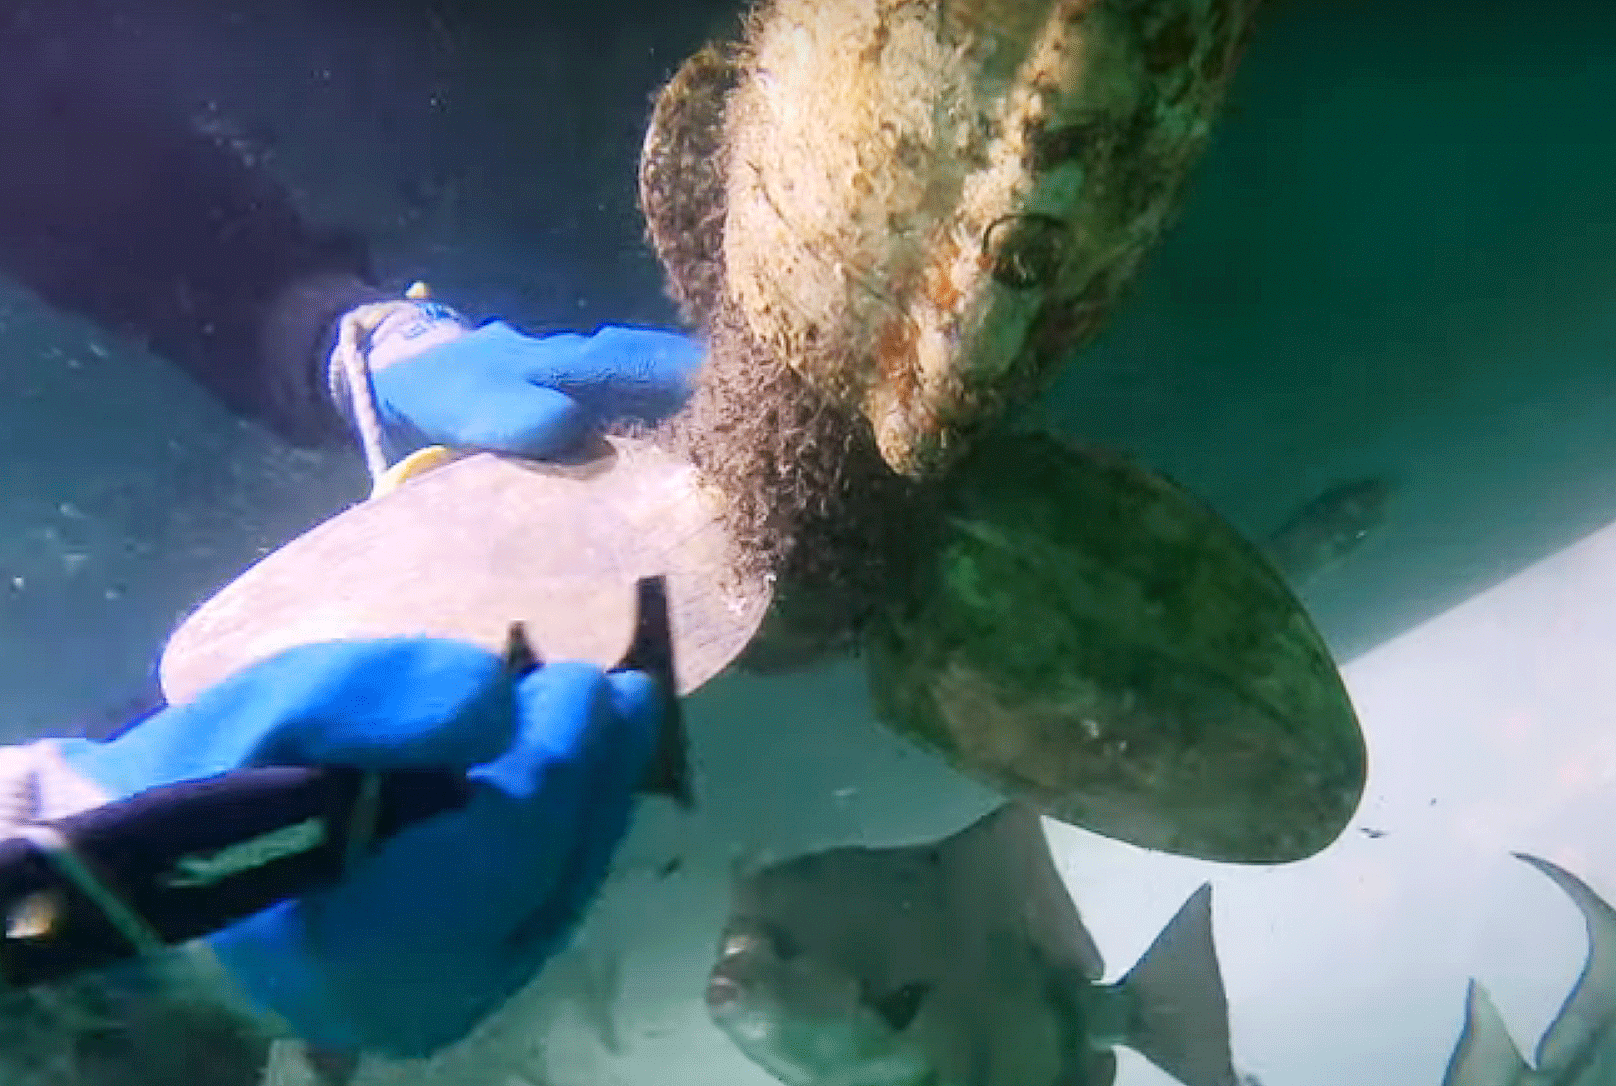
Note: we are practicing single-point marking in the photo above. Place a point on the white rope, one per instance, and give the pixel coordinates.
(350, 376)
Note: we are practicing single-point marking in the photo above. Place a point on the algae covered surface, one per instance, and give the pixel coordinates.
(1089, 637)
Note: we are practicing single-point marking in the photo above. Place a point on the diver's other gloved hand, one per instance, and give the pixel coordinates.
(447, 919)
(439, 382)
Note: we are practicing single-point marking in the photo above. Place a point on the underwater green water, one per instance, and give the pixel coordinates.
(1397, 263)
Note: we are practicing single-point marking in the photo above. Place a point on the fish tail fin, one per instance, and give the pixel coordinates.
(1486, 1054)
(1179, 1014)
(1592, 1002)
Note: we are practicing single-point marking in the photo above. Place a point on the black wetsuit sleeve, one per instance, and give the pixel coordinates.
(116, 206)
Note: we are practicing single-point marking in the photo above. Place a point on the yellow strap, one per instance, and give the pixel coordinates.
(418, 462)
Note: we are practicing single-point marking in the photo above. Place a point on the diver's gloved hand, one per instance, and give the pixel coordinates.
(448, 918)
(439, 382)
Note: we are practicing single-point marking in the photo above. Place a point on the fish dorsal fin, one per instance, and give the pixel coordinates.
(987, 839)
(1005, 853)
(1486, 1054)
(1179, 1019)
(1591, 1006)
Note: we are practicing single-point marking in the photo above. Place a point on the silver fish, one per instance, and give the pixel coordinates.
(1579, 1047)
(1325, 530)
(956, 963)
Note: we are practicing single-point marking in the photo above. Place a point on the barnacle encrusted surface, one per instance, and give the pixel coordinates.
(890, 219)
(929, 205)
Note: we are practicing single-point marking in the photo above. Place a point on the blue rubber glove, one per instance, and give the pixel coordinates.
(446, 920)
(496, 388)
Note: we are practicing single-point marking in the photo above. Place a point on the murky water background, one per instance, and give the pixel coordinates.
(1398, 260)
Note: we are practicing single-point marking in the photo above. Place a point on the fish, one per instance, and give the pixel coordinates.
(1320, 534)
(960, 962)
(1579, 1046)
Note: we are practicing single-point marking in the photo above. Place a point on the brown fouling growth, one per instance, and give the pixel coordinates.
(808, 498)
